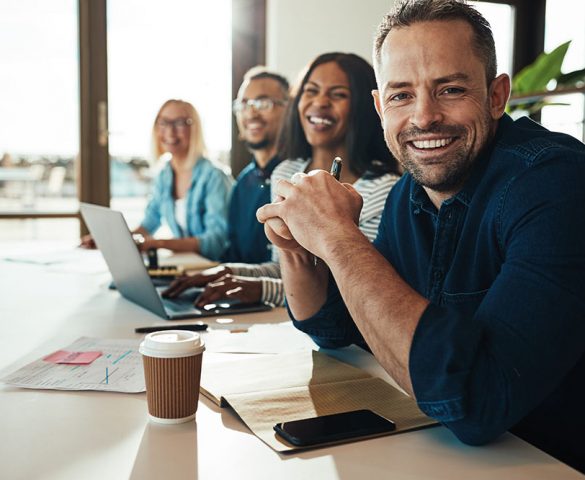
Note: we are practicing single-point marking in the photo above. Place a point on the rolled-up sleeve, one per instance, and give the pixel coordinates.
(331, 326)
(481, 372)
(214, 238)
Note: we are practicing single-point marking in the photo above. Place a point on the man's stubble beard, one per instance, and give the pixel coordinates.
(460, 162)
(257, 145)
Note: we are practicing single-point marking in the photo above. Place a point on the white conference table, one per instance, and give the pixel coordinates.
(72, 435)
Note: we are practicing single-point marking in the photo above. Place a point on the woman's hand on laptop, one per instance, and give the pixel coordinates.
(231, 287)
(87, 242)
(200, 279)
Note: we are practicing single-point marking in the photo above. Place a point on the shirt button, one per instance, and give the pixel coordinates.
(416, 211)
(438, 274)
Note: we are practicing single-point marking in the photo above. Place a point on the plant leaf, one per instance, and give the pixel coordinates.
(571, 79)
(535, 77)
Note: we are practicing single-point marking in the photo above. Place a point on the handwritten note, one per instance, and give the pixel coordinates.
(75, 358)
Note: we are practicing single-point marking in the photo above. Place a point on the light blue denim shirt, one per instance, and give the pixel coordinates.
(207, 206)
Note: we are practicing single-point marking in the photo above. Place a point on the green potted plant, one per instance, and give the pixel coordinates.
(536, 83)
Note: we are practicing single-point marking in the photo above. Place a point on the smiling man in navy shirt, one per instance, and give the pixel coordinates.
(259, 109)
(473, 295)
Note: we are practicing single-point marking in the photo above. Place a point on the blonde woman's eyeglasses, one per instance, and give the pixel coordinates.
(177, 124)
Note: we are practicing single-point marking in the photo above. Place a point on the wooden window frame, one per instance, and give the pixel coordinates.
(248, 50)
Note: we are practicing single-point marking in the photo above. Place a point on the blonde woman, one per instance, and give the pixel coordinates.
(189, 194)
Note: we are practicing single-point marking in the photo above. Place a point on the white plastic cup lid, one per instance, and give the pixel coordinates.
(172, 344)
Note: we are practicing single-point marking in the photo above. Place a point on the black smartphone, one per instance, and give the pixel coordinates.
(331, 428)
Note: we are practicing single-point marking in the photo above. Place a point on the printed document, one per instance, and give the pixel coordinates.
(118, 369)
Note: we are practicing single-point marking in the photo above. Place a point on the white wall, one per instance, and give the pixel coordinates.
(299, 30)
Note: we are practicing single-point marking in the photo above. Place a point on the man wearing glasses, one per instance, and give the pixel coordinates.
(259, 109)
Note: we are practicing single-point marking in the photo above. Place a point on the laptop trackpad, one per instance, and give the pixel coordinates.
(185, 301)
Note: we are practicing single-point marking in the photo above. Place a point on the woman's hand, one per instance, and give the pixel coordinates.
(88, 242)
(180, 284)
(231, 287)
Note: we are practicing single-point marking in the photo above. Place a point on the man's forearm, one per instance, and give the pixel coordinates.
(385, 309)
(305, 283)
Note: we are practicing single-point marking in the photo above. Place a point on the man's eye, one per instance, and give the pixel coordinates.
(453, 91)
(398, 97)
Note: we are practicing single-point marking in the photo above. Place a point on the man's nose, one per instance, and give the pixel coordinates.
(250, 112)
(426, 112)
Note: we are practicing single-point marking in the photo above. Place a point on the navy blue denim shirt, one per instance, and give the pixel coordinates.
(502, 343)
(247, 241)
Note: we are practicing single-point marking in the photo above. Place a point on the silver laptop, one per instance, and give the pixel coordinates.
(114, 239)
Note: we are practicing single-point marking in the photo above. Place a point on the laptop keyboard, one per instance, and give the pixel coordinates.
(183, 301)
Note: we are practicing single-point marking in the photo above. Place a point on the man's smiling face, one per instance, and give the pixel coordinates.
(259, 128)
(436, 108)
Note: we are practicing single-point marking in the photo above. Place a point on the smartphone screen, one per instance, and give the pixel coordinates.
(330, 428)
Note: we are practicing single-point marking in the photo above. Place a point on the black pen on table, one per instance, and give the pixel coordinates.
(194, 327)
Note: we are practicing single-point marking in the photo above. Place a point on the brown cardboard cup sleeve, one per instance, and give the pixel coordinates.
(172, 372)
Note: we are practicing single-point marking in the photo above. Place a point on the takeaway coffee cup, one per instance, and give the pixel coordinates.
(172, 370)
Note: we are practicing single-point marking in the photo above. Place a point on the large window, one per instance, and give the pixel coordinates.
(49, 153)
(157, 51)
(39, 116)
(564, 22)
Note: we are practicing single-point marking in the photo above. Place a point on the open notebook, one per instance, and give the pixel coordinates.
(265, 390)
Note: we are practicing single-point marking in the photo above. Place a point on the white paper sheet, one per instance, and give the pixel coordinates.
(267, 338)
(121, 358)
(59, 259)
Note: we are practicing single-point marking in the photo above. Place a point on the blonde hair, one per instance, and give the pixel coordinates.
(197, 146)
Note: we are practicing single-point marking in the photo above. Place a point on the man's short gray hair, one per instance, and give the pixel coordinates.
(408, 12)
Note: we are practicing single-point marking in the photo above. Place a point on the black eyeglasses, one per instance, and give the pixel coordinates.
(178, 124)
(258, 104)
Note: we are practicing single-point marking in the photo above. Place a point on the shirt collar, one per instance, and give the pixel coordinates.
(267, 170)
(482, 163)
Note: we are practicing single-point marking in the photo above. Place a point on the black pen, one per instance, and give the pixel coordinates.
(195, 327)
(336, 168)
(336, 173)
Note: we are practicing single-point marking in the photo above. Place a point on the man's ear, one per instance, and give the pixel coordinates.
(377, 104)
(499, 93)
